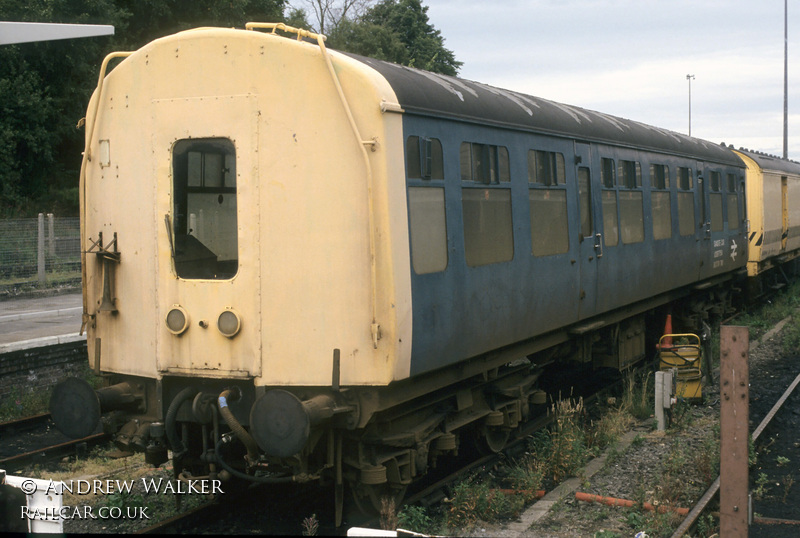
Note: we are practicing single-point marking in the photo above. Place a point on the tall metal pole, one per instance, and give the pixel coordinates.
(689, 78)
(785, 79)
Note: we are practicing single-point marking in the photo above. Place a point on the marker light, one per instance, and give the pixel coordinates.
(229, 323)
(177, 320)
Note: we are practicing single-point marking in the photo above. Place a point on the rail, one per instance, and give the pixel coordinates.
(695, 512)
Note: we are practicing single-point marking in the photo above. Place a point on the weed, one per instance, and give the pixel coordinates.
(310, 525)
(472, 501)
(123, 499)
(527, 476)
(608, 429)
(761, 489)
(791, 336)
(707, 525)
(26, 401)
(788, 482)
(415, 518)
(781, 461)
(681, 415)
(638, 397)
(636, 519)
(568, 439)
(706, 460)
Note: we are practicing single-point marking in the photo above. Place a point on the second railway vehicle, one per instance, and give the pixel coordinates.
(356, 266)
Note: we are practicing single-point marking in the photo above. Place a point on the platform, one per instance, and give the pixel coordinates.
(35, 322)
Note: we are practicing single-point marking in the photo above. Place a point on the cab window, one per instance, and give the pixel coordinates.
(204, 227)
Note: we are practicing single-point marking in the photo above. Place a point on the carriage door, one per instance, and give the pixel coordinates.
(590, 240)
(705, 212)
(208, 302)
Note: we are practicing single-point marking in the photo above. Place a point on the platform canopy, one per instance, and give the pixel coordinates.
(29, 32)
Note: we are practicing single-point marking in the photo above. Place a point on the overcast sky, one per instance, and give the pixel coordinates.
(630, 58)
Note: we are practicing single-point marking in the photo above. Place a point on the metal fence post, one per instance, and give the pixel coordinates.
(40, 249)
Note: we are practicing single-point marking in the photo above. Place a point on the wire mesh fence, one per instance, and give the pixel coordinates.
(44, 249)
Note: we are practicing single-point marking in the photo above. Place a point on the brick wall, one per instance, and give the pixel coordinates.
(41, 368)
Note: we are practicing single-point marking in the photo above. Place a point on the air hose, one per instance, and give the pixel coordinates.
(244, 476)
(175, 442)
(236, 428)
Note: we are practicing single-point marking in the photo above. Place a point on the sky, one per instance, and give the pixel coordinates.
(630, 58)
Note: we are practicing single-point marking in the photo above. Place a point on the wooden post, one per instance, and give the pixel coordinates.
(734, 430)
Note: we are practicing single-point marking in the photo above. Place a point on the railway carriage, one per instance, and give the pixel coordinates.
(355, 266)
(773, 211)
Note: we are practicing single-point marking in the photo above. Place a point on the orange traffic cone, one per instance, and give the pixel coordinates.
(667, 342)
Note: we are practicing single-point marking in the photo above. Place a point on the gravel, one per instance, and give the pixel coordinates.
(652, 467)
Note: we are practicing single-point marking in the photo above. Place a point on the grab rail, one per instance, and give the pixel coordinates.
(375, 327)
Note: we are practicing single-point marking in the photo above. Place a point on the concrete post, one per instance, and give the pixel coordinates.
(40, 250)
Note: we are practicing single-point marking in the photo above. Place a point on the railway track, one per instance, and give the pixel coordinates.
(220, 511)
(291, 506)
(34, 439)
(12, 427)
(714, 489)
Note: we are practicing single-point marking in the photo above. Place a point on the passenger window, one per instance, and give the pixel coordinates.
(549, 225)
(686, 222)
(610, 220)
(631, 212)
(685, 178)
(716, 181)
(428, 225)
(733, 203)
(631, 216)
(715, 199)
(660, 200)
(484, 163)
(659, 176)
(488, 232)
(204, 220)
(630, 174)
(731, 182)
(546, 168)
(607, 173)
(486, 211)
(585, 201)
(424, 158)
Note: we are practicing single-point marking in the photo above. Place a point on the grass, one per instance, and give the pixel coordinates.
(783, 305)
(102, 464)
(26, 401)
(52, 279)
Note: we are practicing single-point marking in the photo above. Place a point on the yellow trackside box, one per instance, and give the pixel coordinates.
(683, 352)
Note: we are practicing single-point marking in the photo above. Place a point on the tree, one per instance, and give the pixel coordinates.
(45, 87)
(329, 14)
(397, 31)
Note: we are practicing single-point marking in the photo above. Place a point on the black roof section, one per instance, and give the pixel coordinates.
(425, 93)
(771, 162)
